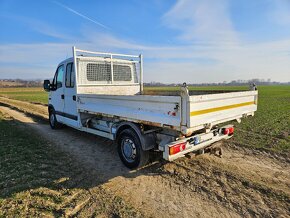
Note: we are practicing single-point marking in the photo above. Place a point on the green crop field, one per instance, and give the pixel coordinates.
(268, 130)
(34, 95)
(270, 127)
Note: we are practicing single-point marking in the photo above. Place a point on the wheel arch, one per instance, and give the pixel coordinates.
(50, 108)
(148, 141)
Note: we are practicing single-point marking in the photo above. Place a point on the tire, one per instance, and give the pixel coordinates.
(53, 121)
(130, 150)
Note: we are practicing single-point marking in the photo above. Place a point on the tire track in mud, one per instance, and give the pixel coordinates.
(202, 187)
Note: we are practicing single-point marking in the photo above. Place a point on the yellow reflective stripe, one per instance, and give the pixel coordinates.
(210, 110)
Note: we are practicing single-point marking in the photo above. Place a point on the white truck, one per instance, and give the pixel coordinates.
(102, 93)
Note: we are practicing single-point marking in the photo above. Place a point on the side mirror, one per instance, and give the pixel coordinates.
(46, 85)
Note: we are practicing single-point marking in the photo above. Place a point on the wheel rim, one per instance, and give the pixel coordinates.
(52, 119)
(129, 150)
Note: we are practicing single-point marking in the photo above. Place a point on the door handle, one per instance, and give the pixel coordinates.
(74, 98)
(62, 96)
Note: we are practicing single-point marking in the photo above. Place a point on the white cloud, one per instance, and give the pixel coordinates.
(202, 20)
(206, 27)
(265, 60)
(23, 72)
(171, 64)
(33, 53)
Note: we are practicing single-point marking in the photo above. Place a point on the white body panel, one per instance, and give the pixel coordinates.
(56, 97)
(152, 110)
(70, 104)
(116, 90)
(157, 110)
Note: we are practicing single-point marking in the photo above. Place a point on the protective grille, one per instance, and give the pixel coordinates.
(99, 72)
(122, 73)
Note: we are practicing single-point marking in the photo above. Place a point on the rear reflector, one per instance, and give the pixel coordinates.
(177, 148)
(228, 131)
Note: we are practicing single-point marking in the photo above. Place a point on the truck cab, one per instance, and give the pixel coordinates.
(62, 95)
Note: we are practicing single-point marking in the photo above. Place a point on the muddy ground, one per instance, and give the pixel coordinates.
(243, 183)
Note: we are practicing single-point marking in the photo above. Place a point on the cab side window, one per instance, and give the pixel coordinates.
(69, 76)
(59, 76)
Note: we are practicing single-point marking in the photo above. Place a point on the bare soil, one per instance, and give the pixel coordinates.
(26, 107)
(243, 183)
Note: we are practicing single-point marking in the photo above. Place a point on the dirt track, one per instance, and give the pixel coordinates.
(241, 184)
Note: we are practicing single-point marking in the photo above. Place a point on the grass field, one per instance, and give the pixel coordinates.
(269, 129)
(34, 95)
(36, 180)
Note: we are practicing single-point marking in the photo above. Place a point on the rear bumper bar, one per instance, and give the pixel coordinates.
(206, 139)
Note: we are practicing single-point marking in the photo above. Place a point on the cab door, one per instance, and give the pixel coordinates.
(70, 104)
(57, 93)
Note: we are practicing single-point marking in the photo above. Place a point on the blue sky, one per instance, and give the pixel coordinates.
(182, 40)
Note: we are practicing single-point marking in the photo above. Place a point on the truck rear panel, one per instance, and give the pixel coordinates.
(213, 109)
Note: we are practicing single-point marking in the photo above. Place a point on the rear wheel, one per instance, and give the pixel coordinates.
(52, 120)
(130, 149)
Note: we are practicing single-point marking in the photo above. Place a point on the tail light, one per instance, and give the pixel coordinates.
(177, 148)
(228, 131)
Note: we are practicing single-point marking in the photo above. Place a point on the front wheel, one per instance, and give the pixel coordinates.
(130, 150)
(53, 121)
